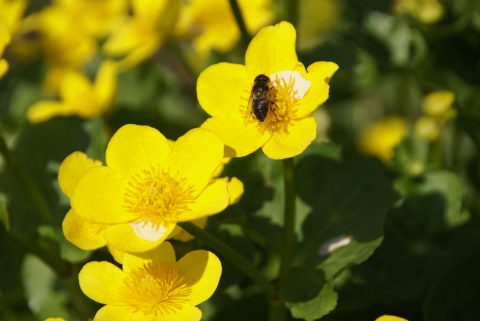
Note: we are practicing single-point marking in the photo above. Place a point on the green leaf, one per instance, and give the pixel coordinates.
(4, 216)
(321, 305)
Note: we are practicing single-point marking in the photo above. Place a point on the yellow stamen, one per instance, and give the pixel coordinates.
(157, 196)
(156, 288)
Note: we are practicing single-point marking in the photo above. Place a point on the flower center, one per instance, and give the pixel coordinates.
(157, 196)
(156, 289)
(285, 90)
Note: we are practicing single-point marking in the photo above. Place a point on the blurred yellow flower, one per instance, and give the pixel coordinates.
(390, 318)
(55, 319)
(212, 25)
(79, 96)
(152, 287)
(381, 138)
(11, 12)
(425, 11)
(4, 41)
(316, 19)
(293, 92)
(148, 186)
(143, 33)
(439, 104)
(427, 127)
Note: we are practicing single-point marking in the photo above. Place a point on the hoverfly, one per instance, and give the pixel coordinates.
(261, 98)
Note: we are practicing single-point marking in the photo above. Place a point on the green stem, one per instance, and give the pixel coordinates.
(245, 36)
(30, 189)
(230, 254)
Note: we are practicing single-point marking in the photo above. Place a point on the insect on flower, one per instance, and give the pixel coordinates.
(261, 97)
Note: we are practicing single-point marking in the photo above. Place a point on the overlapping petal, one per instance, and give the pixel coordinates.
(163, 253)
(72, 169)
(101, 281)
(85, 234)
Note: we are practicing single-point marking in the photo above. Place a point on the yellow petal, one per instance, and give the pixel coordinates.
(213, 199)
(235, 190)
(73, 167)
(272, 50)
(106, 84)
(45, 110)
(202, 270)
(284, 145)
(99, 196)
(101, 282)
(141, 52)
(240, 138)
(150, 10)
(123, 237)
(134, 148)
(55, 319)
(163, 253)
(195, 156)
(117, 255)
(222, 88)
(84, 233)
(124, 39)
(121, 313)
(75, 88)
(319, 74)
(187, 313)
(390, 318)
(180, 234)
(3, 67)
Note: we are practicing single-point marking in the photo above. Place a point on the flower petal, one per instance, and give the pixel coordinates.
(45, 110)
(124, 39)
(239, 137)
(3, 67)
(187, 313)
(84, 233)
(99, 196)
(284, 145)
(123, 237)
(122, 313)
(75, 88)
(106, 84)
(222, 88)
(180, 234)
(195, 156)
(272, 50)
(235, 190)
(319, 74)
(73, 167)
(162, 253)
(134, 148)
(101, 282)
(212, 200)
(202, 270)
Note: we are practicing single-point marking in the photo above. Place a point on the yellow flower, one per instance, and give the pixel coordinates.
(140, 36)
(79, 96)
(382, 137)
(427, 127)
(148, 186)
(152, 287)
(11, 13)
(223, 91)
(390, 318)
(425, 11)
(4, 41)
(212, 25)
(55, 319)
(438, 104)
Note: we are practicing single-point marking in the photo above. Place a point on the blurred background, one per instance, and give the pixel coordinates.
(396, 151)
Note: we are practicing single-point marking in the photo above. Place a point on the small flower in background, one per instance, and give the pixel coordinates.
(211, 24)
(293, 93)
(425, 11)
(148, 186)
(154, 286)
(143, 32)
(428, 128)
(381, 138)
(390, 318)
(79, 96)
(437, 107)
(4, 41)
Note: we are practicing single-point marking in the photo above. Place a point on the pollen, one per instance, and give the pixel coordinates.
(156, 288)
(157, 196)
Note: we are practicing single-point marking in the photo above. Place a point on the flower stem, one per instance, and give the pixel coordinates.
(30, 189)
(230, 254)
(245, 36)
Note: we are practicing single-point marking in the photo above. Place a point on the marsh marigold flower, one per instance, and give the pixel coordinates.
(223, 91)
(79, 96)
(439, 105)
(55, 319)
(152, 287)
(425, 11)
(147, 186)
(4, 41)
(381, 138)
(390, 318)
(212, 25)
